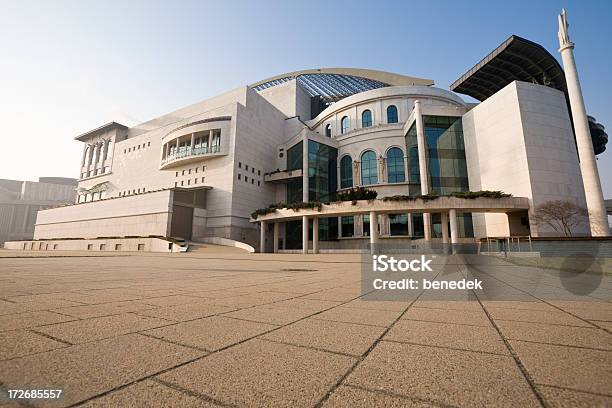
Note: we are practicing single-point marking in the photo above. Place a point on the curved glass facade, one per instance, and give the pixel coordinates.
(330, 87)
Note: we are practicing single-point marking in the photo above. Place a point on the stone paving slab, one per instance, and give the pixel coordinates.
(23, 343)
(31, 319)
(550, 365)
(81, 331)
(474, 338)
(350, 397)
(149, 394)
(588, 337)
(467, 317)
(266, 374)
(347, 338)
(452, 377)
(360, 316)
(211, 333)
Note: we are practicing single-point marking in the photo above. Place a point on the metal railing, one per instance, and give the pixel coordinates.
(507, 244)
(188, 152)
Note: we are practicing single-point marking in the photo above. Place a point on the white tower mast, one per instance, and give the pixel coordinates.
(598, 218)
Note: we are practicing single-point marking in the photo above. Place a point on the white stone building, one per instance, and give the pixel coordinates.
(199, 172)
(21, 200)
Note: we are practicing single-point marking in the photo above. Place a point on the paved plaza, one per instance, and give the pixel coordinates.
(227, 328)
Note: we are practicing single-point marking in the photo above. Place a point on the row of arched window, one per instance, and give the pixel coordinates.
(369, 172)
(366, 120)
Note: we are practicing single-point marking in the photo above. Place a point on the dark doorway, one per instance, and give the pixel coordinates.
(182, 220)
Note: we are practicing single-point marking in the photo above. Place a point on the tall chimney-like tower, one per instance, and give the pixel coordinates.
(598, 218)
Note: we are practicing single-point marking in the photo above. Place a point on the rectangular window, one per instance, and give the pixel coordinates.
(246, 167)
(202, 179)
(117, 247)
(102, 247)
(89, 247)
(246, 179)
(258, 183)
(149, 144)
(348, 226)
(55, 246)
(253, 170)
(252, 181)
(141, 247)
(239, 165)
(259, 172)
(366, 225)
(238, 176)
(398, 224)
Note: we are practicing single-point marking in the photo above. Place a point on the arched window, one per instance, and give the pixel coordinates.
(369, 173)
(395, 165)
(392, 114)
(346, 172)
(366, 118)
(328, 130)
(344, 125)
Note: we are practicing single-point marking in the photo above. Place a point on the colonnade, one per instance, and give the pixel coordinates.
(447, 218)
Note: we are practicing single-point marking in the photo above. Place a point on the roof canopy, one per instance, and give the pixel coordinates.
(516, 59)
(101, 129)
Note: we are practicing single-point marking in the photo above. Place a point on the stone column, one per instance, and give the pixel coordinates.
(356, 173)
(104, 150)
(444, 217)
(422, 147)
(304, 234)
(84, 156)
(262, 237)
(315, 235)
(410, 225)
(276, 236)
(452, 214)
(305, 180)
(373, 232)
(598, 218)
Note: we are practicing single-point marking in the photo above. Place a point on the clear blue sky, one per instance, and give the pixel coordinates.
(69, 66)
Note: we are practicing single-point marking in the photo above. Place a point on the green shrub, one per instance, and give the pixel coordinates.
(357, 193)
(478, 194)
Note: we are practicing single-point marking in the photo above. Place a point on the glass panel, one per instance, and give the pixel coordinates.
(366, 225)
(294, 157)
(395, 165)
(344, 125)
(348, 226)
(366, 119)
(392, 114)
(346, 172)
(322, 172)
(398, 224)
(369, 174)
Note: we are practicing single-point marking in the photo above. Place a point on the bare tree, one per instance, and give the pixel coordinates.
(561, 215)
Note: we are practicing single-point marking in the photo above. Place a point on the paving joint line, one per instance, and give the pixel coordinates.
(401, 396)
(411, 343)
